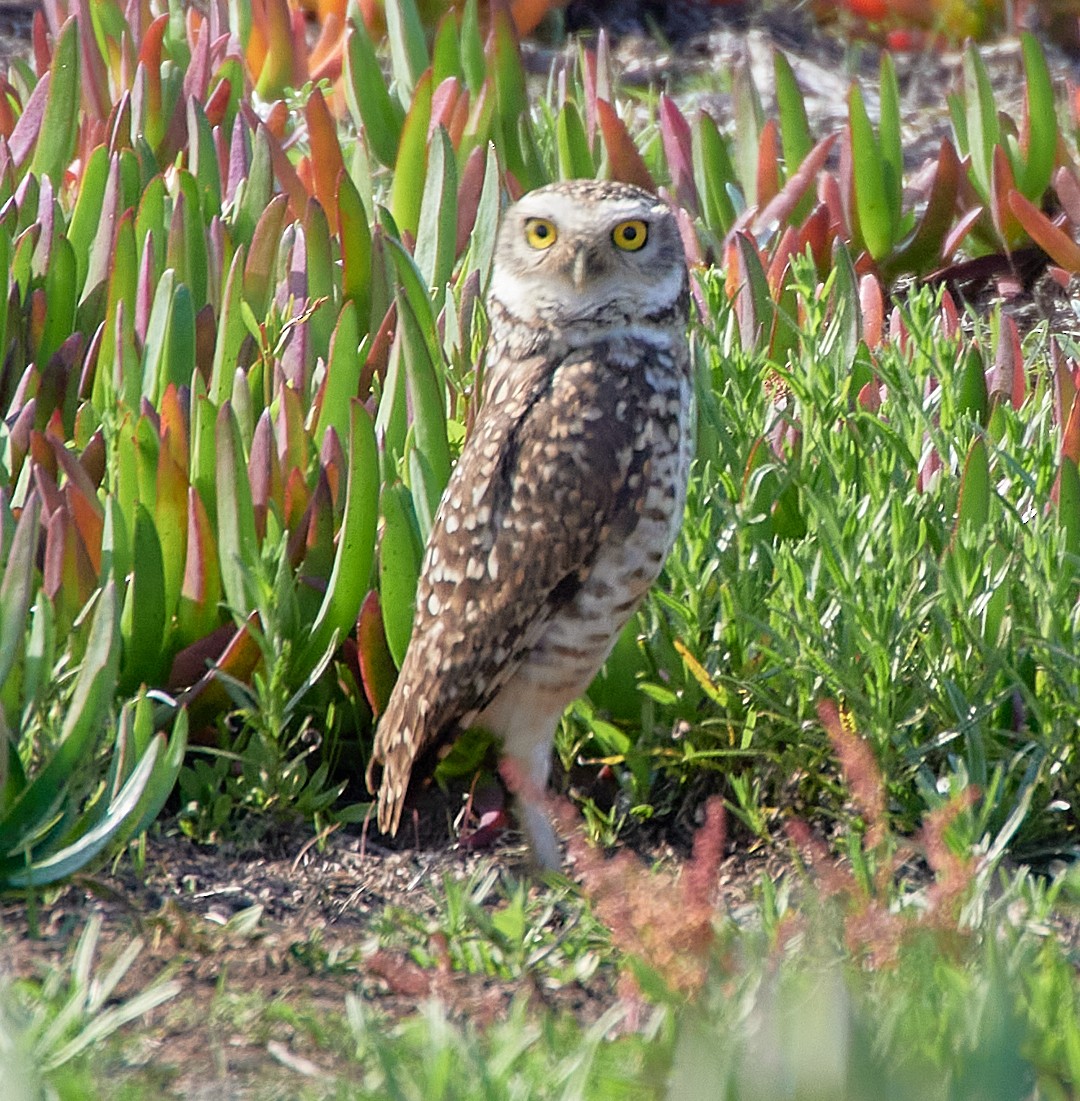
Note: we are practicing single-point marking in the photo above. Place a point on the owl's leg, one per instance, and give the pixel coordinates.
(526, 777)
(524, 715)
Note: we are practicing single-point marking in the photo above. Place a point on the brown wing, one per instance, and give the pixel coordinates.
(543, 483)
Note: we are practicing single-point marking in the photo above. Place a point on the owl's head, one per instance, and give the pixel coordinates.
(584, 249)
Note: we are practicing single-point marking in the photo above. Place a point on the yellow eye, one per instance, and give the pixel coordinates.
(631, 235)
(540, 233)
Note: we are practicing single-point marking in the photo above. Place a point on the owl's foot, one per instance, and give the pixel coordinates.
(531, 809)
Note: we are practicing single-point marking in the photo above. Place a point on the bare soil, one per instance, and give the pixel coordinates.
(312, 940)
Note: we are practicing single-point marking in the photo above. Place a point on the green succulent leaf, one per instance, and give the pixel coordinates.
(351, 575)
(60, 123)
(400, 553)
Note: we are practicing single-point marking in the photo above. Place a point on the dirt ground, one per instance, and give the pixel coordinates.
(294, 923)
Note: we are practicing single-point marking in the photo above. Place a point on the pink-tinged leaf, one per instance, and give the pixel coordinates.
(285, 62)
(262, 259)
(1070, 435)
(588, 80)
(816, 234)
(624, 161)
(294, 286)
(326, 158)
(830, 196)
(678, 150)
(849, 209)
(218, 104)
(82, 498)
(208, 697)
(327, 59)
(378, 357)
(40, 41)
(950, 315)
(1051, 238)
(1006, 377)
(768, 163)
(459, 120)
(1059, 276)
(24, 137)
(929, 472)
(86, 511)
(925, 245)
(754, 307)
(291, 183)
(377, 671)
(491, 822)
(443, 104)
(45, 474)
(239, 156)
(1067, 189)
(781, 262)
(145, 289)
(42, 255)
(193, 661)
(334, 465)
(119, 124)
(1066, 494)
(691, 245)
(294, 443)
(295, 357)
(469, 189)
(171, 520)
(197, 76)
(297, 498)
(8, 98)
(1065, 388)
(150, 64)
(264, 472)
(318, 533)
(93, 458)
(870, 396)
(1002, 185)
(780, 208)
(68, 578)
(872, 304)
(960, 230)
(20, 437)
(95, 77)
(898, 330)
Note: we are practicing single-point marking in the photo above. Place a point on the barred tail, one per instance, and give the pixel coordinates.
(397, 744)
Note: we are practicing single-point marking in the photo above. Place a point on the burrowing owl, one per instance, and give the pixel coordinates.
(567, 496)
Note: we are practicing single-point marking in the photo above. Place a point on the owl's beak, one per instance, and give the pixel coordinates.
(580, 268)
